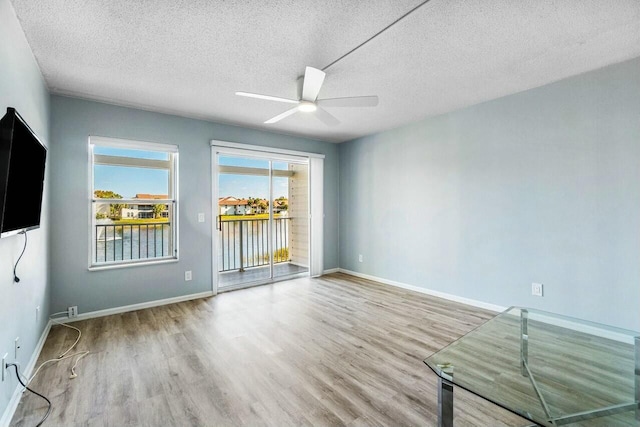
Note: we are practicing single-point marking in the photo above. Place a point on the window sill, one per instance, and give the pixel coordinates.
(144, 263)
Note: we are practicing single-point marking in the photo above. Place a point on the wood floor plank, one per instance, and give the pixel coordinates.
(329, 351)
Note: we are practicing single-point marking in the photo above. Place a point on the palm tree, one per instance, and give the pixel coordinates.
(251, 203)
(157, 210)
(115, 209)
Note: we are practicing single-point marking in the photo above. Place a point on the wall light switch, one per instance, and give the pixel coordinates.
(536, 289)
(200, 217)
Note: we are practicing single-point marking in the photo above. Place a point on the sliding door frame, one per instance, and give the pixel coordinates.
(315, 164)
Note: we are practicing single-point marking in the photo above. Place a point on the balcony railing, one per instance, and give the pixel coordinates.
(244, 243)
(125, 242)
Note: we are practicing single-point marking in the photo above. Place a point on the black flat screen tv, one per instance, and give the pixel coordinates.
(22, 162)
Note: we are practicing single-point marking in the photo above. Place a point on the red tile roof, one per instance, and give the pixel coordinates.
(232, 201)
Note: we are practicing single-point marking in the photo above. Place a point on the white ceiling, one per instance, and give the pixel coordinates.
(189, 57)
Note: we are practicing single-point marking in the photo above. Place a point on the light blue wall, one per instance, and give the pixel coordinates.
(72, 121)
(22, 87)
(542, 186)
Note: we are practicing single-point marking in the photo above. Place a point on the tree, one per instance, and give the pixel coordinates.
(106, 194)
(115, 209)
(282, 203)
(263, 205)
(157, 210)
(255, 204)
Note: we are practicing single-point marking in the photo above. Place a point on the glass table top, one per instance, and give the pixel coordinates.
(550, 369)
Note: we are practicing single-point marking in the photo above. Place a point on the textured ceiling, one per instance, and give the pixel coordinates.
(189, 57)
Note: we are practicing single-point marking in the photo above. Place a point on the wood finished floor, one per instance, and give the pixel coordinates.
(332, 351)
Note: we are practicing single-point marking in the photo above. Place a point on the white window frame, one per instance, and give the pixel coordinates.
(171, 165)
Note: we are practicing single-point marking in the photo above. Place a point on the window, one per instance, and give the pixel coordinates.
(133, 202)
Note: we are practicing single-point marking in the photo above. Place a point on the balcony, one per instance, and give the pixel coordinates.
(244, 254)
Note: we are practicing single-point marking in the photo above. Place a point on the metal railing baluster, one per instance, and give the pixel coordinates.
(248, 247)
(108, 233)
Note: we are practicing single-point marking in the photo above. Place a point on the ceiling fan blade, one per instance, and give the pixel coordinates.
(282, 115)
(266, 97)
(351, 101)
(313, 79)
(326, 117)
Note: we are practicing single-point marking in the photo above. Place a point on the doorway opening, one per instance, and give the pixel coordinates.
(262, 203)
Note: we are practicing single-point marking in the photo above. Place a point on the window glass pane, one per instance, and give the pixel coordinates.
(125, 152)
(243, 186)
(135, 230)
(283, 166)
(131, 232)
(131, 181)
(243, 161)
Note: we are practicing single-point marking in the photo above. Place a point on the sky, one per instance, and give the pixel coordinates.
(129, 181)
(243, 186)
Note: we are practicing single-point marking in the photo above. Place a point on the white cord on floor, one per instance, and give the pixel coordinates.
(64, 355)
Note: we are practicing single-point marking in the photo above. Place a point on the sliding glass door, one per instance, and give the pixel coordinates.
(262, 227)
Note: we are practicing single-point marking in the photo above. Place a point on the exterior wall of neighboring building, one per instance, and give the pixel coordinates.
(135, 213)
(232, 206)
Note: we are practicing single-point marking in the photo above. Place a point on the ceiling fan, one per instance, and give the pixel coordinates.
(309, 102)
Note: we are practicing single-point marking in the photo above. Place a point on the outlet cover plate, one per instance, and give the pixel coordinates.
(187, 275)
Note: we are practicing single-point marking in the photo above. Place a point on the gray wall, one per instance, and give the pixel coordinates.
(542, 186)
(22, 87)
(72, 121)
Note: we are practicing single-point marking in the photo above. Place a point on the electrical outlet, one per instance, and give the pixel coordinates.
(536, 289)
(360, 258)
(4, 364)
(200, 217)
(187, 275)
(16, 347)
(73, 311)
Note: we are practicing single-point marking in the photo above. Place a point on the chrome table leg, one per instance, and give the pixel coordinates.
(524, 341)
(445, 403)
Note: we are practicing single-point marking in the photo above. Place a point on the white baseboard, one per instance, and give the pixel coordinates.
(450, 297)
(612, 334)
(331, 270)
(134, 307)
(17, 394)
